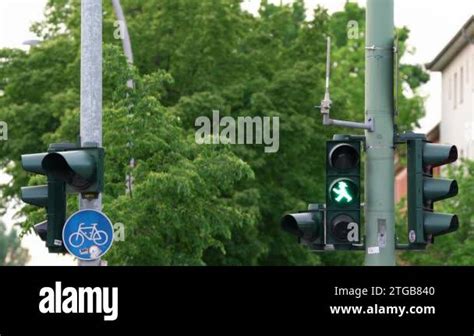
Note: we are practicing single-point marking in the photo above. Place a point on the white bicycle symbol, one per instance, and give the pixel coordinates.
(99, 237)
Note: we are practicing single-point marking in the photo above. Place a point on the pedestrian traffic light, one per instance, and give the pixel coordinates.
(423, 190)
(82, 169)
(307, 226)
(343, 191)
(52, 197)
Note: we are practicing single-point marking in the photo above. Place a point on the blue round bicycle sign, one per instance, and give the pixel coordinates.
(88, 234)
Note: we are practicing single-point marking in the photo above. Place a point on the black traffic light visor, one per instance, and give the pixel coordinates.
(436, 155)
(437, 224)
(304, 225)
(41, 230)
(76, 168)
(37, 195)
(438, 189)
(289, 224)
(32, 163)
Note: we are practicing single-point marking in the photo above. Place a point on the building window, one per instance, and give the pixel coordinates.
(461, 86)
(455, 90)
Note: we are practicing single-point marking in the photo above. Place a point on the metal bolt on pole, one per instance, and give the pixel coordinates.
(91, 89)
(379, 106)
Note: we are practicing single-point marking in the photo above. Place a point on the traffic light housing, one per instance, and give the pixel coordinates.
(69, 169)
(423, 190)
(307, 226)
(52, 197)
(343, 162)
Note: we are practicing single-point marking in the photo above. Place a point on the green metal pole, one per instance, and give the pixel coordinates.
(379, 105)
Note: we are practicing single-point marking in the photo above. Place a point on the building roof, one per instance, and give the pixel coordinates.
(457, 43)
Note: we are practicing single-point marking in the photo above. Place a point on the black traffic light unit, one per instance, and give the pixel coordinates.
(69, 169)
(337, 223)
(423, 190)
(51, 196)
(307, 226)
(343, 220)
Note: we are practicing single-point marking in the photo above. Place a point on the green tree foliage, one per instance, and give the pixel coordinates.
(197, 204)
(11, 252)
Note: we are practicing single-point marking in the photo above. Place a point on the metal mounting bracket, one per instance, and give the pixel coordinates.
(325, 106)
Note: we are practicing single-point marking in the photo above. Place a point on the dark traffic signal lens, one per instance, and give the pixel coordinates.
(344, 156)
(340, 227)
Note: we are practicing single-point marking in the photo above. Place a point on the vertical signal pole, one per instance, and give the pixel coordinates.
(379, 105)
(91, 89)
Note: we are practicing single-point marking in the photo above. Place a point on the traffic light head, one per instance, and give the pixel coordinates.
(307, 226)
(68, 168)
(343, 191)
(423, 190)
(52, 197)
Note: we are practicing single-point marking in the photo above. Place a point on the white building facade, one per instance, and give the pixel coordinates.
(456, 64)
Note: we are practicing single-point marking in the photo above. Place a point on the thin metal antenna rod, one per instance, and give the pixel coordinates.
(325, 106)
(328, 63)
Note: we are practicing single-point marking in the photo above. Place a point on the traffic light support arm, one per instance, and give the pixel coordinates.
(368, 125)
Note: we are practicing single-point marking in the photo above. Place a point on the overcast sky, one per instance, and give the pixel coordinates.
(432, 24)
